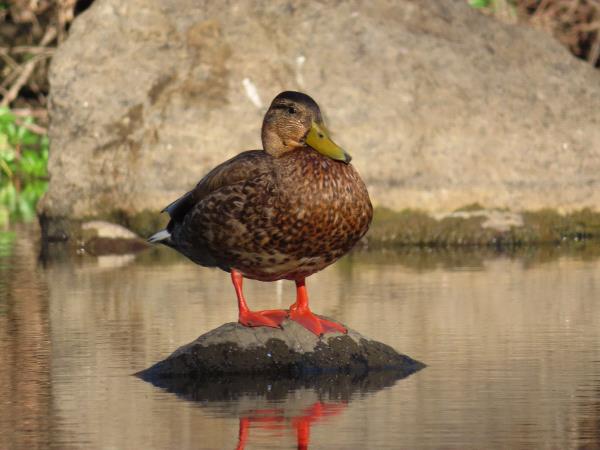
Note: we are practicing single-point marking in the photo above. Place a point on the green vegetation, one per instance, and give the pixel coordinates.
(481, 3)
(7, 242)
(493, 5)
(23, 167)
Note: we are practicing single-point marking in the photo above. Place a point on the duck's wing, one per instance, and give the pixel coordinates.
(245, 166)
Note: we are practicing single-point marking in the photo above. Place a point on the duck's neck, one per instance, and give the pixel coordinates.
(274, 145)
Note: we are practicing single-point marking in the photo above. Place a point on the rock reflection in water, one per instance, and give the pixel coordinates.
(277, 405)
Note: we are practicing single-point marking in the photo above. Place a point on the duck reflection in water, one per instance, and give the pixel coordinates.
(277, 420)
(275, 404)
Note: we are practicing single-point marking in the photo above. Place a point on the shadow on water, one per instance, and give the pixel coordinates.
(280, 404)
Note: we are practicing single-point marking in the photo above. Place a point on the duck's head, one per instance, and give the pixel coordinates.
(294, 121)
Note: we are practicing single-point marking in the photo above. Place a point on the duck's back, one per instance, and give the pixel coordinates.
(211, 212)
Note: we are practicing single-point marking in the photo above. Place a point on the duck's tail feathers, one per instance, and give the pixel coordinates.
(163, 237)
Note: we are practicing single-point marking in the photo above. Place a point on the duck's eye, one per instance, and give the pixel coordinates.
(291, 110)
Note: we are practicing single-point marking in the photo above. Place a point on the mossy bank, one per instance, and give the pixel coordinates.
(474, 225)
(470, 226)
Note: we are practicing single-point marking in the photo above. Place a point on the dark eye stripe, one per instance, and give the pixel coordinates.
(288, 108)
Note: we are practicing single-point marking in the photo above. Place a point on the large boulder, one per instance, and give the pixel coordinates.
(439, 105)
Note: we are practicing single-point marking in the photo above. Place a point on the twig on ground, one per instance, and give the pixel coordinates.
(32, 49)
(8, 59)
(37, 129)
(594, 55)
(27, 69)
(38, 113)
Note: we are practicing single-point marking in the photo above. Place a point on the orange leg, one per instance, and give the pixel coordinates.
(270, 318)
(301, 313)
(244, 429)
(302, 433)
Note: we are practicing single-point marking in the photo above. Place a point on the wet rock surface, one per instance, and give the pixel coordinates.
(234, 350)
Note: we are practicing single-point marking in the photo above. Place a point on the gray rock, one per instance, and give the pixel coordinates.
(439, 105)
(107, 230)
(233, 349)
(104, 238)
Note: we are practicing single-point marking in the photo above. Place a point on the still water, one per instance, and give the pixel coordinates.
(512, 344)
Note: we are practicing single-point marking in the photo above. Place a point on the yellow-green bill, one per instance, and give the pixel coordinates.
(318, 138)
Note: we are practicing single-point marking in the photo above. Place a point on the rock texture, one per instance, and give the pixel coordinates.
(439, 105)
(233, 349)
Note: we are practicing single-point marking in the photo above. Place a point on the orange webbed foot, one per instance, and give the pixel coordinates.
(268, 318)
(313, 323)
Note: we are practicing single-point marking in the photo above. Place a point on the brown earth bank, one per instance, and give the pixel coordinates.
(439, 105)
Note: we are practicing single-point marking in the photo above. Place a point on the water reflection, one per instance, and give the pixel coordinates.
(511, 341)
(277, 406)
(272, 419)
(25, 354)
(473, 258)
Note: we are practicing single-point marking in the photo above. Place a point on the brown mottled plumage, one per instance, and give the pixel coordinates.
(285, 212)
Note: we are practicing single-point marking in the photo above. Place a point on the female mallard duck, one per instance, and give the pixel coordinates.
(284, 212)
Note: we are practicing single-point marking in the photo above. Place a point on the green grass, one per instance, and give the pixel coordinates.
(23, 167)
(480, 3)
(491, 4)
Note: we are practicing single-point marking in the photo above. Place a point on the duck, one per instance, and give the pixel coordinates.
(284, 212)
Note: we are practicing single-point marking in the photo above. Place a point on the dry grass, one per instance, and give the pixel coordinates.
(575, 23)
(29, 32)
